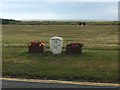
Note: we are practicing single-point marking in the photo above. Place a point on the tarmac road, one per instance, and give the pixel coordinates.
(22, 84)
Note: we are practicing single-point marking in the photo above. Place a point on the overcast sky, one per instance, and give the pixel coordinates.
(59, 10)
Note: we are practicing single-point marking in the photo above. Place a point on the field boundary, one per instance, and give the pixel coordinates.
(61, 82)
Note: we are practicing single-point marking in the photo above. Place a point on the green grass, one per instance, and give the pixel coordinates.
(99, 61)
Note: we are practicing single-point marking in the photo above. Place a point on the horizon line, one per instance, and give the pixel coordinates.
(62, 19)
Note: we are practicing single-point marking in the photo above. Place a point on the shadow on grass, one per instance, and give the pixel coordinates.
(48, 53)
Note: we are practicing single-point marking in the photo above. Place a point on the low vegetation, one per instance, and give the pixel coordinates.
(99, 61)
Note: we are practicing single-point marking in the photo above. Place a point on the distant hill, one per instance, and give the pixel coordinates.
(18, 22)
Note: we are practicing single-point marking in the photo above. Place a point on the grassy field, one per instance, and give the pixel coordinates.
(99, 61)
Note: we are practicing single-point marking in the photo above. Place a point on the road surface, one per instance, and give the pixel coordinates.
(21, 84)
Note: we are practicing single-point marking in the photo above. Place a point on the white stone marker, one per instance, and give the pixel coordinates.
(56, 44)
